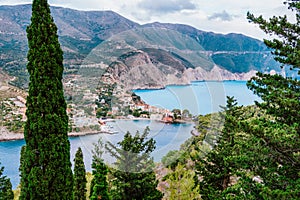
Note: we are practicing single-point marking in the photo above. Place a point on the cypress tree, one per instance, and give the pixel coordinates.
(46, 163)
(23, 180)
(99, 184)
(6, 192)
(79, 177)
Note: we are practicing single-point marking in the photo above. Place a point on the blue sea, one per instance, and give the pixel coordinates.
(198, 98)
(201, 97)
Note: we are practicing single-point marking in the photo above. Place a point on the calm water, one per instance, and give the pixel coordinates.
(199, 98)
(168, 137)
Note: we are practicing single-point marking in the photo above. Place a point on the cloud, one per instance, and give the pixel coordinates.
(166, 6)
(204, 15)
(223, 16)
(14, 2)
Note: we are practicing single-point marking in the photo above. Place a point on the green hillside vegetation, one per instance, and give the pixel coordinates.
(252, 152)
(243, 62)
(240, 153)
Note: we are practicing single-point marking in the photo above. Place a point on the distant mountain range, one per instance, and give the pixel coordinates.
(166, 53)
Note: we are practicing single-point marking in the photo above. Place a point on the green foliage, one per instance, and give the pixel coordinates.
(6, 192)
(177, 113)
(99, 184)
(280, 96)
(89, 178)
(218, 165)
(273, 145)
(23, 181)
(186, 114)
(181, 184)
(173, 158)
(244, 62)
(256, 155)
(133, 175)
(80, 181)
(105, 99)
(286, 46)
(137, 112)
(208, 128)
(46, 163)
(274, 135)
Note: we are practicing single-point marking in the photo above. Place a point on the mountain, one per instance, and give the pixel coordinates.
(165, 53)
(234, 52)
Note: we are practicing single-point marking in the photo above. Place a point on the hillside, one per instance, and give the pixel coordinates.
(234, 52)
(95, 37)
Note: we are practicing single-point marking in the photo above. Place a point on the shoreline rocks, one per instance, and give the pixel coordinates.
(6, 135)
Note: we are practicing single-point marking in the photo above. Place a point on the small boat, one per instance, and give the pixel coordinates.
(104, 128)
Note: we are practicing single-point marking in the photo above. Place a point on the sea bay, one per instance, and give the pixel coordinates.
(167, 136)
(198, 97)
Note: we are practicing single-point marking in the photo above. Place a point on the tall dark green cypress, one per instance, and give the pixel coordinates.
(23, 180)
(46, 164)
(79, 176)
(99, 184)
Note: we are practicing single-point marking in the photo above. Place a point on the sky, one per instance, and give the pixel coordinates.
(219, 16)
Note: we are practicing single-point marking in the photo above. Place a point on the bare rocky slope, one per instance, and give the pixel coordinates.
(140, 71)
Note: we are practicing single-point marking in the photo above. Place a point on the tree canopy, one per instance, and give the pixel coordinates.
(6, 192)
(133, 173)
(276, 132)
(256, 154)
(99, 184)
(46, 168)
(80, 181)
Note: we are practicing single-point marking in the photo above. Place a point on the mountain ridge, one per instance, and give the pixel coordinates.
(80, 32)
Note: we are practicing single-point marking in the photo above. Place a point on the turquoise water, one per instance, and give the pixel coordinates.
(199, 98)
(168, 137)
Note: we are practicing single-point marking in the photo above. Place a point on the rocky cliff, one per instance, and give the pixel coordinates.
(140, 70)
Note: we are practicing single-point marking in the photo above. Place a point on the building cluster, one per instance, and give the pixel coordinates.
(15, 107)
(13, 113)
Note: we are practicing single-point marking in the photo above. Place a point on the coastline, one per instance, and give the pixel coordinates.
(6, 135)
(10, 136)
(187, 84)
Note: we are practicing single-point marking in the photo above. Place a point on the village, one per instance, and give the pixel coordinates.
(88, 108)
(107, 99)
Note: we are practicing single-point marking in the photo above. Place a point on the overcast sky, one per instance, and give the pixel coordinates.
(219, 16)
